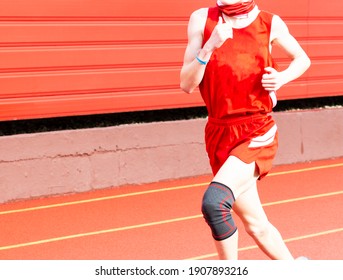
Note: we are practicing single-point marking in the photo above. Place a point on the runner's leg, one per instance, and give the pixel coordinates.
(234, 174)
(249, 208)
(241, 178)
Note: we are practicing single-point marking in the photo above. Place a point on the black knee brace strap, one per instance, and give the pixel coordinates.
(216, 208)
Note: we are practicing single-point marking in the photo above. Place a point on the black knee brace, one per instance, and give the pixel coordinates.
(216, 208)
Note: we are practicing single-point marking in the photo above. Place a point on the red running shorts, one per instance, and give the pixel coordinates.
(250, 138)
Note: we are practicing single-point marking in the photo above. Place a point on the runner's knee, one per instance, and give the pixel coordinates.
(216, 208)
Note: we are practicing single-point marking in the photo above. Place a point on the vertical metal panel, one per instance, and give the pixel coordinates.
(76, 57)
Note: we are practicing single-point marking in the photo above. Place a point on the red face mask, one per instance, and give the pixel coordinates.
(237, 9)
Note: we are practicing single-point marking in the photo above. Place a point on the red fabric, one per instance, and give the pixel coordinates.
(236, 102)
(237, 9)
(231, 85)
(233, 137)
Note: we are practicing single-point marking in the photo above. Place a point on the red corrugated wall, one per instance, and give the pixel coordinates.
(82, 57)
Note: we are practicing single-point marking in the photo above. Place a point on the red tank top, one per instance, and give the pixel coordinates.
(231, 86)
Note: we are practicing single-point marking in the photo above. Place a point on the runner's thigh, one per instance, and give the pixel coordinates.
(237, 175)
(249, 208)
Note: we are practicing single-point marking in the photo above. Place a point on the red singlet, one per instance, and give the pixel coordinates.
(237, 104)
(232, 81)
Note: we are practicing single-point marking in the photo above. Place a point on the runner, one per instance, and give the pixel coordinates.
(229, 57)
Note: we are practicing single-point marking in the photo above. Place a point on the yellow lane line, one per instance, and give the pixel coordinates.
(100, 199)
(149, 224)
(302, 198)
(155, 191)
(207, 256)
(306, 169)
(96, 233)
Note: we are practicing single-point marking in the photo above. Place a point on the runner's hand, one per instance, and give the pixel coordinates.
(272, 80)
(220, 34)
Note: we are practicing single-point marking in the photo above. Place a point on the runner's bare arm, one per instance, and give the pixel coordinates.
(280, 36)
(192, 70)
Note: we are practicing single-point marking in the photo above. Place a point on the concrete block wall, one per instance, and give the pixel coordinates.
(53, 163)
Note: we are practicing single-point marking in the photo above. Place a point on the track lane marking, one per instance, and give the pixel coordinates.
(327, 232)
(50, 240)
(306, 169)
(155, 191)
(302, 198)
(100, 199)
(80, 235)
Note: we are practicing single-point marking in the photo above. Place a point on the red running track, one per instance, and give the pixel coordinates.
(163, 220)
